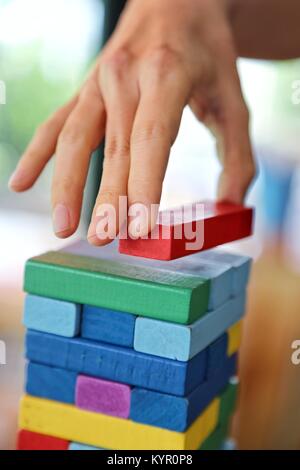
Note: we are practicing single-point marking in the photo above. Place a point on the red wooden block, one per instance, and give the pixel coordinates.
(186, 230)
(28, 440)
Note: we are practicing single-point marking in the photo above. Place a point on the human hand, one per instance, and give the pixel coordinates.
(164, 55)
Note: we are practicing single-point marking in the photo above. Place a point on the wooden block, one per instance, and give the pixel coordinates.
(102, 396)
(222, 223)
(108, 432)
(182, 342)
(52, 316)
(109, 326)
(145, 291)
(220, 275)
(78, 446)
(117, 363)
(28, 440)
(178, 413)
(228, 400)
(116, 399)
(234, 338)
(216, 439)
(51, 382)
(240, 264)
(217, 354)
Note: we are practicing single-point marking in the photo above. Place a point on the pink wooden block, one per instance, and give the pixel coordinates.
(103, 396)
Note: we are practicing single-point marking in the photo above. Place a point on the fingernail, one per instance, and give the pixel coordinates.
(16, 179)
(61, 218)
(139, 223)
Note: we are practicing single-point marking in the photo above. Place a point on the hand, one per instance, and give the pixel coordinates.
(164, 55)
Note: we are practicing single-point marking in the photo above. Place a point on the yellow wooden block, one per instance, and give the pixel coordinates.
(73, 424)
(234, 338)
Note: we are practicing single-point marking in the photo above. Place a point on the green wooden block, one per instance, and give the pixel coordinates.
(216, 439)
(150, 292)
(228, 401)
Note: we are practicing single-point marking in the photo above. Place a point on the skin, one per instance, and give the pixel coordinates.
(164, 55)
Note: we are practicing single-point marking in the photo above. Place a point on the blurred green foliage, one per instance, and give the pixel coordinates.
(30, 98)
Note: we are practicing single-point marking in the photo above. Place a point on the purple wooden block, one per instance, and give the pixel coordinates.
(103, 396)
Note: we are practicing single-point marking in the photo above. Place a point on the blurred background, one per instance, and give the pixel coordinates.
(46, 48)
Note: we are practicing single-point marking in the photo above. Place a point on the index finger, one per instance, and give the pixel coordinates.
(164, 92)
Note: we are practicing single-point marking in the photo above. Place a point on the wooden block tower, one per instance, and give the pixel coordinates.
(127, 353)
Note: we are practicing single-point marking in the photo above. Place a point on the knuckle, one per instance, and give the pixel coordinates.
(143, 188)
(71, 136)
(66, 185)
(164, 60)
(116, 149)
(152, 130)
(116, 62)
(107, 194)
(243, 171)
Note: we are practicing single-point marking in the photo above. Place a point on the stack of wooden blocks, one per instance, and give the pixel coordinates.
(126, 353)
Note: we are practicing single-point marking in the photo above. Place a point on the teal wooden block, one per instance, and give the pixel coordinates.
(220, 277)
(78, 446)
(182, 342)
(52, 316)
(240, 264)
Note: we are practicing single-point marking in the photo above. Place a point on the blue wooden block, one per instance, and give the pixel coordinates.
(50, 382)
(182, 342)
(78, 446)
(52, 316)
(148, 407)
(178, 413)
(217, 354)
(240, 264)
(106, 325)
(117, 363)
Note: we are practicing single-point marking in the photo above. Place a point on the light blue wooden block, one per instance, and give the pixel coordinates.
(241, 266)
(52, 316)
(78, 446)
(219, 275)
(182, 342)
